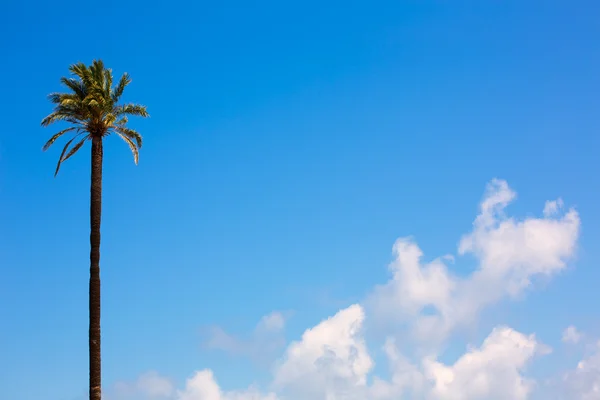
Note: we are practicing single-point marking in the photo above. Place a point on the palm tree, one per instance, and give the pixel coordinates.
(92, 109)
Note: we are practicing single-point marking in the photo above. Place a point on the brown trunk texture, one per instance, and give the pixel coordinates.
(95, 218)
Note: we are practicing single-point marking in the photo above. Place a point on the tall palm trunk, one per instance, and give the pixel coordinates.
(95, 218)
(92, 109)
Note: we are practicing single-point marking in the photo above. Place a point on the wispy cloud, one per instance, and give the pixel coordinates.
(266, 339)
(571, 335)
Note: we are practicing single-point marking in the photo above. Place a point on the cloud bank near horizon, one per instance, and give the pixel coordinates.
(425, 303)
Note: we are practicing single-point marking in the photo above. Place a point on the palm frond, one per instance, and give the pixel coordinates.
(76, 86)
(131, 109)
(84, 73)
(131, 134)
(109, 119)
(58, 116)
(79, 70)
(58, 98)
(132, 146)
(108, 81)
(62, 154)
(91, 102)
(75, 148)
(56, 136)
(69, 112)
(123, 82)
(97, 70)
(122, 121)
(70, 102)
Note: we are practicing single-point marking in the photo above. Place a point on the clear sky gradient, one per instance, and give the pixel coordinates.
(289, 145)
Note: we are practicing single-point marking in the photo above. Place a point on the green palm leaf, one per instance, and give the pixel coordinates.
(118, 92)
(56, 136)
(75, 149)
(131, 134)
(62, 155)
(131, 109)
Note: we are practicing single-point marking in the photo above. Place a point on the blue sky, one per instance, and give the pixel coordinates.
(290, 145)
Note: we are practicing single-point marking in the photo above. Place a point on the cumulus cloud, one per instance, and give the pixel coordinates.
(406, 378)
(509, 254)
(331, 361)
(492, 372)
(203, 386)
(584, 381)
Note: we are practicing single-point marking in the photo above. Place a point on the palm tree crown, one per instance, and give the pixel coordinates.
(93, 110)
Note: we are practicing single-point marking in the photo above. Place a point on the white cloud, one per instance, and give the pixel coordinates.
(511, 251)
(492, 372)
(331, 361)
(509, 254)
(571, 335)
(583, 383)
(203, 386)
(406, 378)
